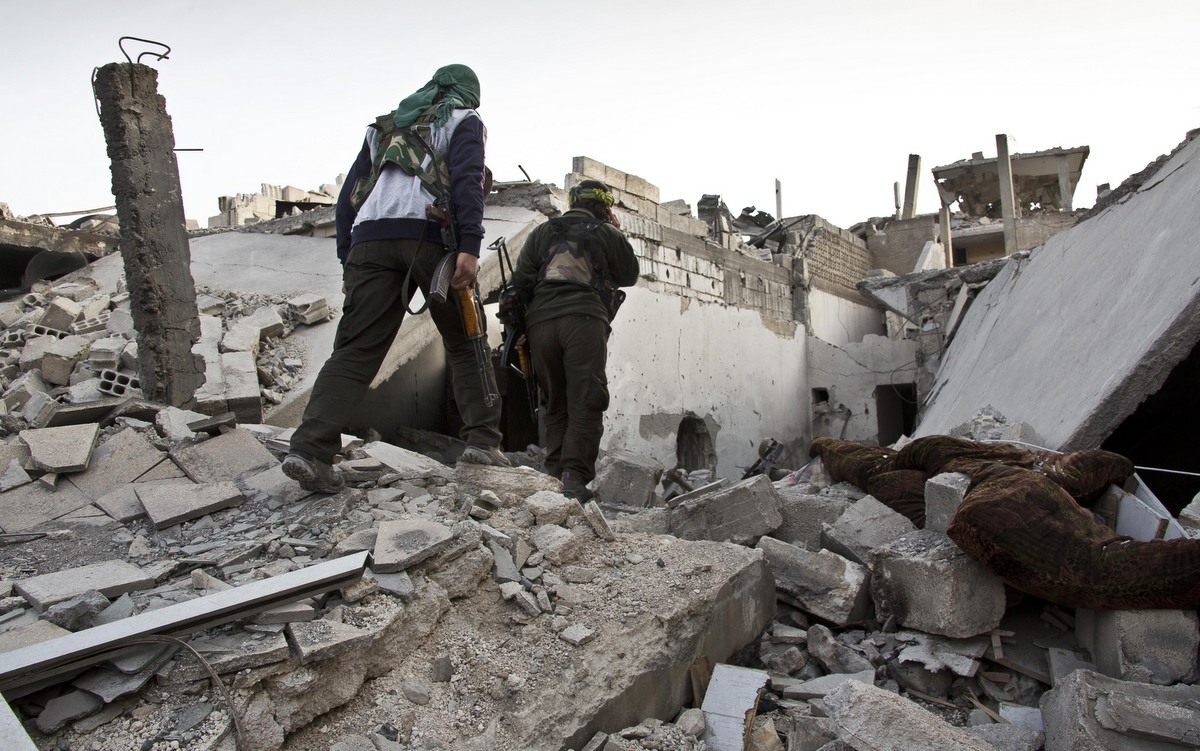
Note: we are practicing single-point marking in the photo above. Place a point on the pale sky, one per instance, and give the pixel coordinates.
(700, 97)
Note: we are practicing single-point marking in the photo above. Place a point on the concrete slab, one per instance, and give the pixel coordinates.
(406, 542)
(883, 721)
(169, 502)
(64, 449)
(29, 505)
(740, 513)
(321, 640)
(117, 462)
(1092, 711)
(408, 464)
(110, 578)
(32, 633)
(822, 583)
(864, 526)
(226, 457)
(1122, 328)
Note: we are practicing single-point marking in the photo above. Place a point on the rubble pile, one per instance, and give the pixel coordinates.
(74, 343)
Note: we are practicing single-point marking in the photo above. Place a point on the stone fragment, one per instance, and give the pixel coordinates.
(172, 423)
(817, 688)
(599, 524)
(65, 709)
(110, 578)
(944, 493)
(76, 613)
(864, 526)
(1091, 711)
(505, 568)
(168, 503)
(309, 308)
(14, 477)
(34, 632)
(1149, 646)
(226, 457)
(409, 465)
(929, 585)
(364, 539)
(61, 357)
(556, 543)
(805, 514)
(834, 656)
(549, 507)
(1008, 737)
(740, 513)
(60, 313)
(627, 479)
(822, 583)
(230, 652)
(323, 639)
(873, 718)
(64, 449)
(406, 542)
(577, 635)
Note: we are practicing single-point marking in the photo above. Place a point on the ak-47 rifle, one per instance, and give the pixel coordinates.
(469, 304)
(512, 315)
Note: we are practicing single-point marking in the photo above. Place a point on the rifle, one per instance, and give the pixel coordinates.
(470, 307)
(512, 315)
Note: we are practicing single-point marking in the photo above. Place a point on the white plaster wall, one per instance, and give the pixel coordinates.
(670, 356)
(851, 373)
(840, 321)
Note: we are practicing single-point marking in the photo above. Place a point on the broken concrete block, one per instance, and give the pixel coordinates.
(822, 583)
(928, 584)
(315, 641)
(599, 525)
(33, 352)
(19, 391)
(109, 578)
(944, 493)
(242, 395)
(60, 358)
(404, 543)
(880, 720)
(577, 635)
(118, 461)
(1095, 712)
(729, 706)
(1008, 736)
(67, 708)
(740, 513)
(556, 543)
(14, 476)
(242, 337)
(805, 514)
(63, 449)
(60, 313)
(118, 383)
(168, 503)
(309, 308)
(76, 613)
(172, 423)
(227, 457)
(31, 633)
(1149, 646)
(505, 568)
(627, 479)
(267, 320)
(864, 526)
(39, 409)
(408, 464)
(549, 507)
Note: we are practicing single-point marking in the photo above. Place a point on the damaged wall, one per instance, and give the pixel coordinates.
(671, 359)
(1073, 338)
(862, 388)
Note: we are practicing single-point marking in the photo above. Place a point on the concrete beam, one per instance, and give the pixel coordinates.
(910, 187)
(1008, 200)
(73, 652)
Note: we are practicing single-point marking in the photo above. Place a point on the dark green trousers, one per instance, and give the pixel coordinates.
(569, 356)
(372, 313)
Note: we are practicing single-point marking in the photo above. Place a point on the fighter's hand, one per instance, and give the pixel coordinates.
(466, 267)
(612, 219)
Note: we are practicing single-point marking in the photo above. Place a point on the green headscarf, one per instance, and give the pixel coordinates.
(460, 86)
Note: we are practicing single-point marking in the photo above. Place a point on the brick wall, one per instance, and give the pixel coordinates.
(676, 255)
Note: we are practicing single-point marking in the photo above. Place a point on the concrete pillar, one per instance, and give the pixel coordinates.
(154, 243)
(896, 196)
(1008, 202)
(945, 236)
(910, 187)
(1065, 189)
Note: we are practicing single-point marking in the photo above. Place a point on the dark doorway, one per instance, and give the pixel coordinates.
(694, 447)
(895, 411)
(1162, 434)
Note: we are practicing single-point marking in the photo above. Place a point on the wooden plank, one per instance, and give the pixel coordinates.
(73, 652)
(989, 712)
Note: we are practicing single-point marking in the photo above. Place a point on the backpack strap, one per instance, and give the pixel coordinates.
(406, 148)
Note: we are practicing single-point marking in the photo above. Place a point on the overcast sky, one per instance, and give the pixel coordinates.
(700, 97)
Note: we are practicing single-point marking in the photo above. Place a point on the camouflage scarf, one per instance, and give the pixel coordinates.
(460, 87)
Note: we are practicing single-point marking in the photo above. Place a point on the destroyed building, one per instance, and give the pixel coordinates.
(441, 605)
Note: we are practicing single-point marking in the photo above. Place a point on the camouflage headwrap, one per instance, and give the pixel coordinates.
(460, 86)
(593, 190)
